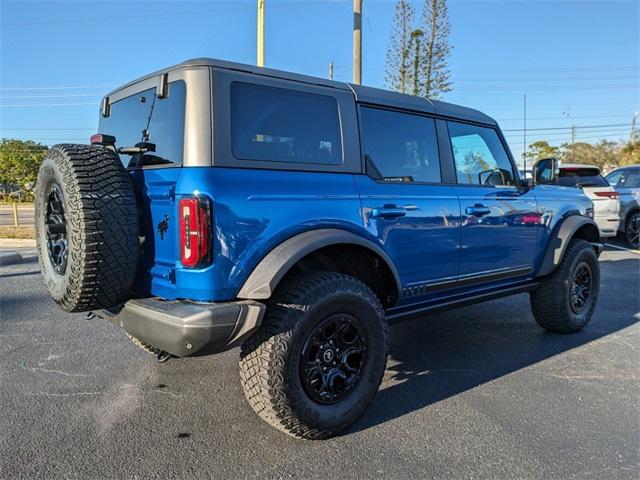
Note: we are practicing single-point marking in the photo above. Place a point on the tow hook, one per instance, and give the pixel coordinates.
(163, 356)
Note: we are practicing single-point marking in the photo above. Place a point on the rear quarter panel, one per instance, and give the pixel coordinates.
(255, 210)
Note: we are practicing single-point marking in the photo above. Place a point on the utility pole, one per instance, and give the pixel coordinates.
(357, 42)
(260, 50)
(331, 71)
(632, 135)
(573, 142)
(524, 130)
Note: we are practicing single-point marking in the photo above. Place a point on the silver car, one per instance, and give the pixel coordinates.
(626, 181)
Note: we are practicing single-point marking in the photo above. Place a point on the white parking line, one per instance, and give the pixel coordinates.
(637, 252)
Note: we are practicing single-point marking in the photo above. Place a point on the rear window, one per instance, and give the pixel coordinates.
(281, 125)
(144, 117)
(584, 177)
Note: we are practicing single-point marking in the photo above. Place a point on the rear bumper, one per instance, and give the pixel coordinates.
(184, 328)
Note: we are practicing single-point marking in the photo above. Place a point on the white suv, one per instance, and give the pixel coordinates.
(606, 204)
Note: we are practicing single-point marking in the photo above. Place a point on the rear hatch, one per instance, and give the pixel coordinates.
(157, 121)
(595, 187)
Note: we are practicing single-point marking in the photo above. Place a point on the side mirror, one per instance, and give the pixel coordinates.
(545, 171)
(492, 177)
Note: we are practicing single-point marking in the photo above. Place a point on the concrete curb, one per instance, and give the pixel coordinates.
(10, 258)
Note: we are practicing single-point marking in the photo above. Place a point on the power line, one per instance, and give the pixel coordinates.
(144, 16)
(544, 88)
(563, 118)
(108, 19)
(545, 78)
(556, 133)
(53, 96)
(58, 87)
(49, 105)
(538, 68)
(44, 129)
(566, 128)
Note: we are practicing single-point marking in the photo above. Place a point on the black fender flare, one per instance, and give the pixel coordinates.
(560, 240)
(264, 278)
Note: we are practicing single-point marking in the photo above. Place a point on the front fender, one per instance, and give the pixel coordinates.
(560, 239)
(267, 274)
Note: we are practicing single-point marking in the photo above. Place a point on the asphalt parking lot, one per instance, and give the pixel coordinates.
(479, 392)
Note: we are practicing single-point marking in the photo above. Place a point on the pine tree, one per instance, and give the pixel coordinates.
(416, 47)
(436, 75)
(398, 72)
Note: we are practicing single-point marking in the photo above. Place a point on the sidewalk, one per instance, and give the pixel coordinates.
(26, 248)
(14, 243)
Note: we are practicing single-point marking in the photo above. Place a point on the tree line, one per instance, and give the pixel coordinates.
(19, 164)
(604, 154)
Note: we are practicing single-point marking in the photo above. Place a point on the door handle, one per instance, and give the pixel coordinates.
(388, 212)
(478, 210)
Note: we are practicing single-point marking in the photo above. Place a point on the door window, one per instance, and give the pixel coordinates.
(400, 147)
(479, 155)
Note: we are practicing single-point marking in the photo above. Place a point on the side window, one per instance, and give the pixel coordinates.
(479, 155)
(144, 118)
(400, 147)
(631, 180)
(614, 178)
(281, 125)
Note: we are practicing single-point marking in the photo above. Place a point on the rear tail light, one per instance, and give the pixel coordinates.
(102, 139)
(611, 195)
(195, 231)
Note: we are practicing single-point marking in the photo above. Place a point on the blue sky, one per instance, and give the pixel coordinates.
(577, 61)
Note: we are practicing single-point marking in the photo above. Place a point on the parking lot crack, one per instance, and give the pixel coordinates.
(58, 372)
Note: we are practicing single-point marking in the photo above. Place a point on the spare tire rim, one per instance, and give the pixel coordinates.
(581, 287)
(56, 225)
(333, 358)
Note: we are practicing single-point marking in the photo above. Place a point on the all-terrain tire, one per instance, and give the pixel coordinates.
(270, 360)
(551, 302)
(85, 192)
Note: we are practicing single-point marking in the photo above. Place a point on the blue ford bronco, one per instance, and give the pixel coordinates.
(224, 205)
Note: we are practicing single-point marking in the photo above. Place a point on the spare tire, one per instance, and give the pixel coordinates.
(86, 227)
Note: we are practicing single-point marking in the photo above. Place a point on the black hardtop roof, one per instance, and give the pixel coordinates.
(376, 96)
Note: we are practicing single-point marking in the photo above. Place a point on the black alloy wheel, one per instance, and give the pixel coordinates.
(56, 230)
(581, 286)
(333, 358)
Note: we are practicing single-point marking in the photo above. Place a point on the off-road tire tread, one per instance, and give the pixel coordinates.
(101, 206)
(548, 303)
(263, 355)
